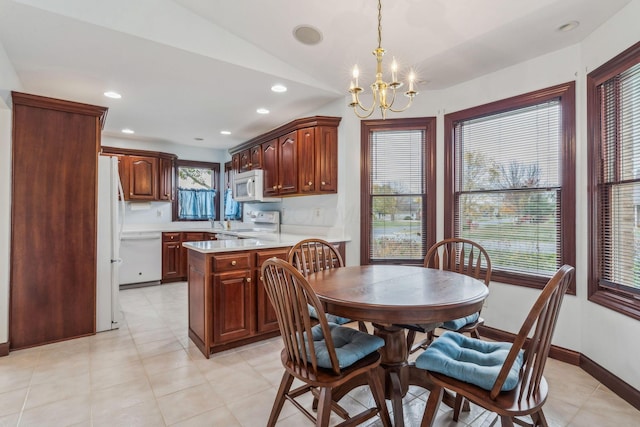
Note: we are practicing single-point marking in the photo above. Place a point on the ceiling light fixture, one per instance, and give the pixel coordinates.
(262, 111)
(225, 132)
(127, 130)
(112, 94)
(279, 88)
(380, 88)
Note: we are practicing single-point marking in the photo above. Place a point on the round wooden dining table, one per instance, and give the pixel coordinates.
(392, 295)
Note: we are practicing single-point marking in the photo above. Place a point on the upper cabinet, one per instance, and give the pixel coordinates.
(299, 158)
(145, 175)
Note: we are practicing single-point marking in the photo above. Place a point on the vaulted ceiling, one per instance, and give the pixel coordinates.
(188, 69)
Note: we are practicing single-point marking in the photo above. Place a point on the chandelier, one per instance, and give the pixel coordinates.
(384, 94)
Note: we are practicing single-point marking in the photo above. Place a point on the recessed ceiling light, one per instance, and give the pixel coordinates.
(111, 94)
(225, 132)
(262, 111)
(197, 138)
(571, 25)
(279, 88)
(127, 130)
(306, 34)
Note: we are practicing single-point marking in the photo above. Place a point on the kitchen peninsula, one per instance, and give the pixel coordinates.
(228, 306)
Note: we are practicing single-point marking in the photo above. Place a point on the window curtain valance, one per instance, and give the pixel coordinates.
(196, 203)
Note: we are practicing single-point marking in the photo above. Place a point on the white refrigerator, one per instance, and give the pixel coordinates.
(110, 221)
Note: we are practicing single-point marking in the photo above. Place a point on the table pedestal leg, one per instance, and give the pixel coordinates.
(395, 376)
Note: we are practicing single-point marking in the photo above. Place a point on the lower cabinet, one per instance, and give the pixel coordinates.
(228, 307)
(228, 304)
(172, 264)
(174, 255)
(267, 320)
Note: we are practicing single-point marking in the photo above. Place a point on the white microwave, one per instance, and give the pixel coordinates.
(248, 187)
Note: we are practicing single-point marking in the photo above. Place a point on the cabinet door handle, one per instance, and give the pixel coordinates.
(310, 183)
(233, 262)
(323, 183)
(279, 186)
(275, 187)
(248, 279)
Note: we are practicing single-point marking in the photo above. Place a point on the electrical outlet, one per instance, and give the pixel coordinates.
(282, 213)
(316, 212)
(158, 213)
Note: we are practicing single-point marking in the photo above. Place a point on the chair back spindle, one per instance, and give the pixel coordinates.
(313, 255)
(461, 256)
(291, 295)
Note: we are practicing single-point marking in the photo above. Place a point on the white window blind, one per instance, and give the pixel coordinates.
(619, 183)
(397, 187)
(507, 189)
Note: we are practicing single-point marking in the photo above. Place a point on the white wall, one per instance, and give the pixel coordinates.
(9, 81)
(5, 217)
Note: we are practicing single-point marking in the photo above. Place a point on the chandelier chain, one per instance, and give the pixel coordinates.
(379, 24)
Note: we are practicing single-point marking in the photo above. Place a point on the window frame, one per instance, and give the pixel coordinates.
(429, 209)
(566, 94)
(617, 300)
(215, 168)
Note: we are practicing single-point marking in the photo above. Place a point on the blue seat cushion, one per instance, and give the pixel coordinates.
(470, 360)
(454, 325)
(330, 317)
(350, 344)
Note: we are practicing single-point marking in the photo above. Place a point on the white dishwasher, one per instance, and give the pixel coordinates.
(141, 254)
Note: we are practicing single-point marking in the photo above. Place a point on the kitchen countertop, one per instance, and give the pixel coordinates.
(253, 240)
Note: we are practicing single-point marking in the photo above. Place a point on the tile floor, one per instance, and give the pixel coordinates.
(148, 373)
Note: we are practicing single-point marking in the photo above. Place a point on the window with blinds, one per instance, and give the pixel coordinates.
(396, 185)
(509, 183)
(614, 117)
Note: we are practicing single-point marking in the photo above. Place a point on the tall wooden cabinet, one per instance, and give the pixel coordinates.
(53, 219)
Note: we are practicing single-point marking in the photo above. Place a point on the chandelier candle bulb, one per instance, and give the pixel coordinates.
(394, 71)
(356, 73)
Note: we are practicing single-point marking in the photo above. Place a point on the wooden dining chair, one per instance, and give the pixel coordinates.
(313, 255)
(502, 377)
(462, 256)
(323, 356)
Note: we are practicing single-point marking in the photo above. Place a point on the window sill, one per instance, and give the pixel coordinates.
(626, 305)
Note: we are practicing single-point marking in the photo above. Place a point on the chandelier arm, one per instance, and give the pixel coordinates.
(370, 112)
(405, 107)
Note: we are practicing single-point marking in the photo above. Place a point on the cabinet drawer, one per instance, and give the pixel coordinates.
(192, 237)
(231, 262)
(171, 237)
(262, 256)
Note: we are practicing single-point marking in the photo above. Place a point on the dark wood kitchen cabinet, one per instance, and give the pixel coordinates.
(175, 255)
(233, 297)
(53, 230)
(228, 304)
(145, 175)
(172, 264)
(298, 159)
(165, 176)
(266, 314)
(280, 164)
